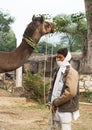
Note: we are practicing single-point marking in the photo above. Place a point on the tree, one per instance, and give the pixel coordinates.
(87, 68)
(7, 36)
(81, 30)
(7, 41)
(72, 42)
(74, 28)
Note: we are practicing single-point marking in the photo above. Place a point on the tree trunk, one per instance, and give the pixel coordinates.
(87, 68)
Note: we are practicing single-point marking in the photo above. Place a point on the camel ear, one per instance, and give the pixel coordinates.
(42, 19)
(33, 18)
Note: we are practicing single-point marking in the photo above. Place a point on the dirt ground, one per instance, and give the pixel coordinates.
(17, 114)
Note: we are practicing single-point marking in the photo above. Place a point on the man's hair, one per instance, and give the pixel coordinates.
(63, 51)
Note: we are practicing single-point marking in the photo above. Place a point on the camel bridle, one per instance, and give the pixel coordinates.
(29, 41)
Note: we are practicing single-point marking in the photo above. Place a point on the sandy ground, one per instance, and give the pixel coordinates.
(17, 114)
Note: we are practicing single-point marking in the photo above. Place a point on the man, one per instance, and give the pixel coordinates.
(64, 94)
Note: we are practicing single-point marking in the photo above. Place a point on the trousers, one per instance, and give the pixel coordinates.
(61, 126)
(60, 121)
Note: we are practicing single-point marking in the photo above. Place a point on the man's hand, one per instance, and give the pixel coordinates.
(48, 105)
(51, 107)
(54, 109)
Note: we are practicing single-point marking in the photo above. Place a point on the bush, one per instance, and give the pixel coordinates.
(34, 86)
(88, 94)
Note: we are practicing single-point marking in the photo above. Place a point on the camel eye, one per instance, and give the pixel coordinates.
(47, 25)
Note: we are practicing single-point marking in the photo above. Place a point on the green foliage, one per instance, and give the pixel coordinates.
(73, 43)
(7, 41)
(7, 36)
(74, 29)
(77, 17)
(61, 22)
(5, 21)
(34, 86)
(81, 23)
(45, 16)
(88, 94)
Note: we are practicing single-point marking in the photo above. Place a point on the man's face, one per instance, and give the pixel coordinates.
(60, 57)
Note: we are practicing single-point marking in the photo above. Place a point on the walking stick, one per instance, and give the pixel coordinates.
(50, 120)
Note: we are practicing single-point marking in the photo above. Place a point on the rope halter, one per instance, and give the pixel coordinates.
(30, 42)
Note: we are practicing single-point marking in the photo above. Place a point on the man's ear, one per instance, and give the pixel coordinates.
(63, 58)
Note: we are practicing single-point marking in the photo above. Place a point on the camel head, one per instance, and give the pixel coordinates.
(38, 27)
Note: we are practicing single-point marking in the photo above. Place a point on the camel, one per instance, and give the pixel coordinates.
(10, 61)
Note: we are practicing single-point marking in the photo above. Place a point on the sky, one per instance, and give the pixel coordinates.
(23, 10)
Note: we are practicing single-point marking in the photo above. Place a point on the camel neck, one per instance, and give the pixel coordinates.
(15, 59)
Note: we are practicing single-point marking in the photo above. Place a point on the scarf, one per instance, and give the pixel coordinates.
(58, 85)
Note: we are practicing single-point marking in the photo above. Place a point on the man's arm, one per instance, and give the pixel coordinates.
(70, 90)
